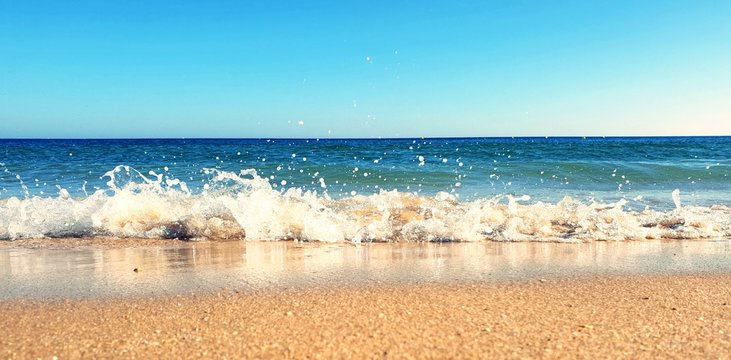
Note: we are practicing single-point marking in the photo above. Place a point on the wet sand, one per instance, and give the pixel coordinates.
(81, 268)
(604, 317)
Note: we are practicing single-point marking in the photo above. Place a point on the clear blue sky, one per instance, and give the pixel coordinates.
(364, 69)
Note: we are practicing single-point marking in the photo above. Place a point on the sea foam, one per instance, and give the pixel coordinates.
(247, 206)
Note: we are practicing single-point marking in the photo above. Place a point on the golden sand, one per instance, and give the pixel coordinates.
(619, 317)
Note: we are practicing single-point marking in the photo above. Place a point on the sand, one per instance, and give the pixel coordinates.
(101, 242)
(98, 268)
(678, 316)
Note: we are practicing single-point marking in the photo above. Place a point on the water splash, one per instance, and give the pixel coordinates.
(676, 198)
(245, 205)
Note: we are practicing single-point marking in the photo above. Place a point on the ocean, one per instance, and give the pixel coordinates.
(363, 190)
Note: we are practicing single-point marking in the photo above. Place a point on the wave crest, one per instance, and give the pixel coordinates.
(247, 206)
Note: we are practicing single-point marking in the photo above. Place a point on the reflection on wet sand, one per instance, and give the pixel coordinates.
(253, 266)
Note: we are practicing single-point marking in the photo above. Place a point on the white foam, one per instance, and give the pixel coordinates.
(247, 206)
(676, 198)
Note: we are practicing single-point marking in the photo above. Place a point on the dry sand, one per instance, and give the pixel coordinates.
(606, 317)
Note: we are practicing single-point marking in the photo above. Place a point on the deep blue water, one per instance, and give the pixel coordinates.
(642, 170)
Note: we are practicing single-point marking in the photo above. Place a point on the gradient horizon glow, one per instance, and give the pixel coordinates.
(366, 69)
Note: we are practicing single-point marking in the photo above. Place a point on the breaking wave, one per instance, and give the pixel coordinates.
(247, 206)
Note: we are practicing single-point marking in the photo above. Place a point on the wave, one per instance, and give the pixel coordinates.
(248, 206)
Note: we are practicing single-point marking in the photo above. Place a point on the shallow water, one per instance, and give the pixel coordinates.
(186, 267)
(504, 189)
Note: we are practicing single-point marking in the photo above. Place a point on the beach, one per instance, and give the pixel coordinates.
(431, 180)
(603, 317)
(363, 248)
(74, 298)
(104, 267)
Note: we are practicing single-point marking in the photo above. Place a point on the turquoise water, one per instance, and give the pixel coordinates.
(43, 180)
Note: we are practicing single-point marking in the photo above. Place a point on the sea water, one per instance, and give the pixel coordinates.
(358, 190)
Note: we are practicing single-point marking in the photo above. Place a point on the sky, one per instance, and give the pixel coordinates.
(119, 69)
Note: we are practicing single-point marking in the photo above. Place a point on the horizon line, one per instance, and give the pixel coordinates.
(371, 138)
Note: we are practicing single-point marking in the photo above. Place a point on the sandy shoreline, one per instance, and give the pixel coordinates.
(71, 270)
(606, 317)
(81, 298)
